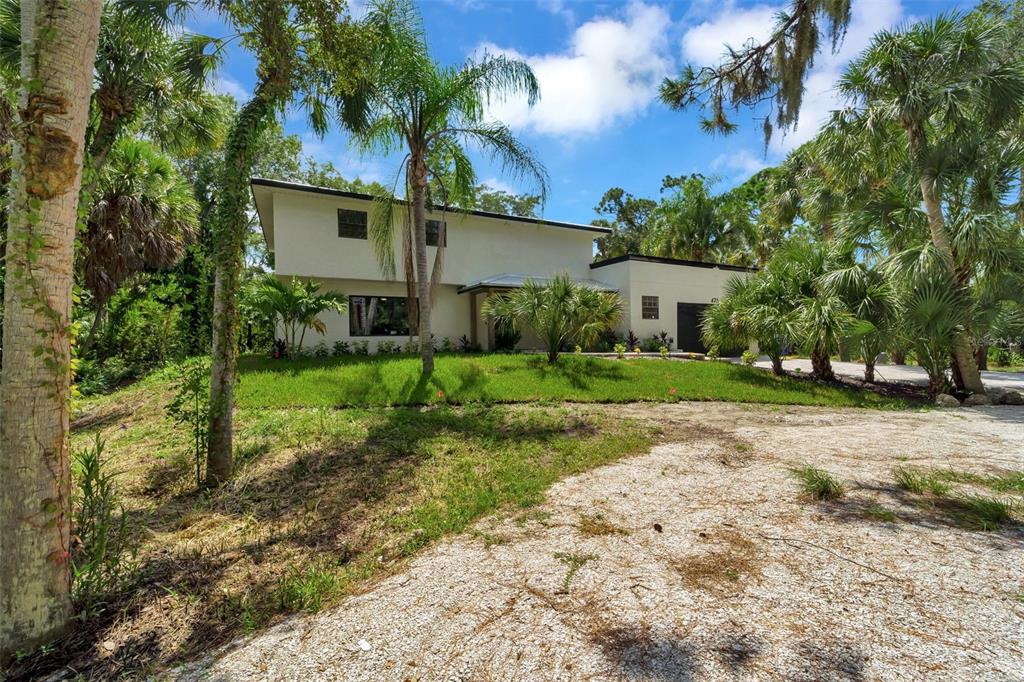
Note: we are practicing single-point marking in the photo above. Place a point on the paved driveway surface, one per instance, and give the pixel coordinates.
(903, 373)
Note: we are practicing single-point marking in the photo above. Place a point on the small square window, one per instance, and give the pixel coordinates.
(649, 307)
(437, 232)
(351, 224)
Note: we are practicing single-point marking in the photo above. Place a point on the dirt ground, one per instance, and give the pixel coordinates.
(701, 560)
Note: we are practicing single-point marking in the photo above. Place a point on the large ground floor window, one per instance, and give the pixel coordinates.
(378, 316)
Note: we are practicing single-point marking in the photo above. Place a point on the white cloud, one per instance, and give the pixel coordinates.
(559, 8)
(609, 73)
(498, 185)
(820, 96)
(743, 162)
(704, 44)
(229, 86)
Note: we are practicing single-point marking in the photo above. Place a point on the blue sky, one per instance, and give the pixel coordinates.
(599, 123)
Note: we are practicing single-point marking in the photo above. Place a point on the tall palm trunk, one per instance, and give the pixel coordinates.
(58, 51)
(962, 351)
(229, 243)
(418, 173)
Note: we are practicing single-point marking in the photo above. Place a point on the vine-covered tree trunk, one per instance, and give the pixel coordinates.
(58, 51)
(230, 225)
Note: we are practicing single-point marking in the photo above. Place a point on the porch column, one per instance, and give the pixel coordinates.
(472, 317)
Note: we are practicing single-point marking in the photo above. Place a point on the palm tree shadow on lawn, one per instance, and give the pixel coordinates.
(577, 371)
(345, 497)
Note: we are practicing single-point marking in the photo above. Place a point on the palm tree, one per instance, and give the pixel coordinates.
(693, 224)
(296, 43)
(931, 316)
(561, 312)
(934, 82)
(143, 215)
(299, 305)
(407, 101)
(870, 298)
(35, 382)
(147, 79)
(752, 309)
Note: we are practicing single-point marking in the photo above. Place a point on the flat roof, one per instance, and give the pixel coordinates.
(330, 191)
(670, 261)
(511, 280)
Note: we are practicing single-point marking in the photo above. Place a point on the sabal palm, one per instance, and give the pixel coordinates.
(142, 216)
(434, 114)
(147, 80)
(561, 312)
(752, 309)
(934, 82)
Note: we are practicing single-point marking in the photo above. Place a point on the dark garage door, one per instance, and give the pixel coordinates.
(689, 317)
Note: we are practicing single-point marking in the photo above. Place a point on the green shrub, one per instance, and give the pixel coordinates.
(817, 483)
(320, 350)
(620, 350)
(104, 552)
(663, 351)
(387, 347)
(748, 358)
(361, 348)
(340, 348)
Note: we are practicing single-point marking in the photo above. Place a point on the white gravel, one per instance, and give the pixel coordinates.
(819, 590)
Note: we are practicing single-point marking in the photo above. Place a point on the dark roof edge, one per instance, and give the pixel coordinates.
(283, 184)
(670, 261)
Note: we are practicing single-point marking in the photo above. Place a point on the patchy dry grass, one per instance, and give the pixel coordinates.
(323, 502)
(596, 525)
(732, 559)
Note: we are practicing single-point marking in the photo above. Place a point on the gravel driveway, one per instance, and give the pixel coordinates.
(700, 561)
(908, 374)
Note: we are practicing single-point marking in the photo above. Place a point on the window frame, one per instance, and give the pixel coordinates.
(392, 300)
(440, 231)
(645, 305)
(350, 225)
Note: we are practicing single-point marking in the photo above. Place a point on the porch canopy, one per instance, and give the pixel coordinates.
(504, 282)
(508, 280)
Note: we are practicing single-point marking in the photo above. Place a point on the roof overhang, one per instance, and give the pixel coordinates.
(669, 261)
(507, 280)
(264, 187)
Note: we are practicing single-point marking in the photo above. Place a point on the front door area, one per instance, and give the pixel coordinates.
(688, 319)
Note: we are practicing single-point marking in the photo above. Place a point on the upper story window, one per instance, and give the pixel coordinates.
(649, 307)
(437, 232)
(351, 224)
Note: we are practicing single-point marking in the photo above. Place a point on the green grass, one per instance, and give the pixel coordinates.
(977, 512)
(460, 379)
(323, 501)
(816, 483)
(920, 481)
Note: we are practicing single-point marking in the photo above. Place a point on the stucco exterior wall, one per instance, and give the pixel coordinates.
(306, 243)
(671, 283)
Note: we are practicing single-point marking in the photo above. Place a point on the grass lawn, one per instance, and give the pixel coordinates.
(323, 502)
(361, 381)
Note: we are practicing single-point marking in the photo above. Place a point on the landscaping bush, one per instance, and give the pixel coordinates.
(388, 347)
(340, 348)
(506, 338)
(104, 551)
(748, 358)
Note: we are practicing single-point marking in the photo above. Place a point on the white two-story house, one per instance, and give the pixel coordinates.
(321, 234)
